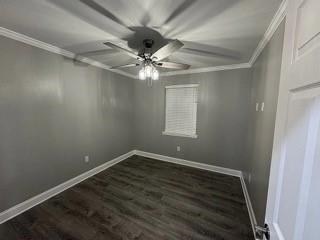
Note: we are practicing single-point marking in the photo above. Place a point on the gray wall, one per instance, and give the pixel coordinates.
(222, 119)
(53, 113)
(265, 83)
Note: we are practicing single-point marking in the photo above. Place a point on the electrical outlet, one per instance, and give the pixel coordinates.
(257, 107)
(178, 148)
(262, 107)
(86, 159)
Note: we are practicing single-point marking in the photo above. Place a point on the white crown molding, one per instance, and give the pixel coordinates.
(207, 69)
(274, 24)
(34, 42)
(51, 48)
(184, 162)
(26, 205)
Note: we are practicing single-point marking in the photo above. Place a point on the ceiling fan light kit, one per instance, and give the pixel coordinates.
(148, 71)
(151, 61)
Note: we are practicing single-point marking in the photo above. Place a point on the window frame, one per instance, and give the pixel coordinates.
(165, 132)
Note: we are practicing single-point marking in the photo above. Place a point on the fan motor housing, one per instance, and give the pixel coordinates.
(148, 43)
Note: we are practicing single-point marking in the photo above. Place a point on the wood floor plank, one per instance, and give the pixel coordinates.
(139, 199)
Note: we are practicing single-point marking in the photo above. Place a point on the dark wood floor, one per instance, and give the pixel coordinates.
(140, 198)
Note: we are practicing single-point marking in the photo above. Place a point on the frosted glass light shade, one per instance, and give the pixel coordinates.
(142, 74)
(148, 70)
(155, 74)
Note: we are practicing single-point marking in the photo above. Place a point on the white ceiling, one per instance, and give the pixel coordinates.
(229, 27)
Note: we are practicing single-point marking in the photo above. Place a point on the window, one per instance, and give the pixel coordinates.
(181, 110)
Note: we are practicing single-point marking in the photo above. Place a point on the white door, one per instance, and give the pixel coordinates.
(293, 208)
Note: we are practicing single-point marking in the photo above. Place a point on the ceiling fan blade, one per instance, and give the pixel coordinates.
(128, 52)
(98, 52)
(126, 66)
(206, 50)
(167, 50)
(172, 65)
(210, 53)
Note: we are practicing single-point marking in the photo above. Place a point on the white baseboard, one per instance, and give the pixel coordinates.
(180, 161)
(24, 206)
(249, 205)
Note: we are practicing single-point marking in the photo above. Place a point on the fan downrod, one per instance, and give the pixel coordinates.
(148, 43)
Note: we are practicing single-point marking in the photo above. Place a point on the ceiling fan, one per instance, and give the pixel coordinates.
(150, 61)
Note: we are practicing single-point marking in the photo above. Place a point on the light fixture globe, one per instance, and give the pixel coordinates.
(148, 70)
(142, 74)
(155, 74)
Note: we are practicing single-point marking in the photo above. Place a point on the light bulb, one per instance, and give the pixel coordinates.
(142, 74)
(148, 70)
(155, 74)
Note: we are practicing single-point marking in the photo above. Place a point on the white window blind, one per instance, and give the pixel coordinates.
(181, 110)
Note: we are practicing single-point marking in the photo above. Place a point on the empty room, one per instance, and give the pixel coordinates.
(159, 120)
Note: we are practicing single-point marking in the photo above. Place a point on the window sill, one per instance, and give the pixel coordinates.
(180, 135)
